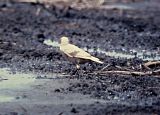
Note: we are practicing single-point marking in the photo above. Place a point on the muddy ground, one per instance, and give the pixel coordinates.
(58, 88)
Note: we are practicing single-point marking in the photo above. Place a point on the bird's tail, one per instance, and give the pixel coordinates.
(96, 60)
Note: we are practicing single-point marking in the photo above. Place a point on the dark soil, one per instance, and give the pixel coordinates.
(22, 49)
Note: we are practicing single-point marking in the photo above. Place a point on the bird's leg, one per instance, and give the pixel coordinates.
(79, 70)
(77, 62)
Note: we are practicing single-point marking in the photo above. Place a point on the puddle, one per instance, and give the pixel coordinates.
(117, 6)
(15, 83)
(51, 43)
(144, 55)
(130, 6)
(16, 80)
(6, 98)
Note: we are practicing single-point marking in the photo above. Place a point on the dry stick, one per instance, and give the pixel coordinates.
(123, 68)
(152, 63)
(127, 69)
(115, 66)
(146, 65)
(130, 72)
(105, 67)
(157, 71)
(127, 73)
(136, 73)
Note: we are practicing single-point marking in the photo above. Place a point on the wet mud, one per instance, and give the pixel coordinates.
(48, 84)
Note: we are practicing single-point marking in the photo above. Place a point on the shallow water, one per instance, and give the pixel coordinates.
(16, 80)
(144, 55)
(4, 98)
(11, 81)
(118, 6)
(51, 43)
(12, 84)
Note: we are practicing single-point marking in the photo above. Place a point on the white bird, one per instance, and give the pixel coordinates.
(75, 54)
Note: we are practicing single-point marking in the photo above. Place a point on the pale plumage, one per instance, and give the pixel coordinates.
(75, 54)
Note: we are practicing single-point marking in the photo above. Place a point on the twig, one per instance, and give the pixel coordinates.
(156, 71)
(105, 67)
(134, 73)
(123, 68)
(127, 73)
(148, 64)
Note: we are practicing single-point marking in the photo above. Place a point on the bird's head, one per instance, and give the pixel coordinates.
(64, 40)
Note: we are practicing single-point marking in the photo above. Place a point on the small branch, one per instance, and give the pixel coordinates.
(127, 73)
(105, 67)
(134, 73)
(148, 64)
(157, 71)
(123, 68)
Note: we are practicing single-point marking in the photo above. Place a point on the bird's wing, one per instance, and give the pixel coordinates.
(74, 51)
